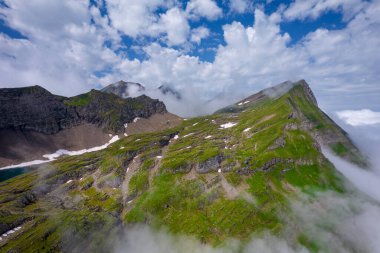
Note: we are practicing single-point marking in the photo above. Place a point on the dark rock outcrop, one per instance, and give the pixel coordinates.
(211, 164)
(36, 109)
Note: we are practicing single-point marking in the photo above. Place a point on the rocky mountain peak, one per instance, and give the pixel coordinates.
(124, 89)
(309, 93)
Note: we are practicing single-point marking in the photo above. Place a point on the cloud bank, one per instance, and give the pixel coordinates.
(360, 117)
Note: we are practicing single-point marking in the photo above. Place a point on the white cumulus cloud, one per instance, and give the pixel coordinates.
(239, 6)
(302, 9)
(199, 33)
(176, 26)
(203, 8)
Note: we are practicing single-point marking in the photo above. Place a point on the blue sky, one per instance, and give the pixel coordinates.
(209, 50)
(297, 29)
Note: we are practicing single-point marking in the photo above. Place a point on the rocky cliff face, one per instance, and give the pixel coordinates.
(112, 112)
(36, 109)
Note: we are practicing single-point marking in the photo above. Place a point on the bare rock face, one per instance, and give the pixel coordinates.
(112, 112)
(309, 93)
(36, 109)
(34, 122)
(211, 164)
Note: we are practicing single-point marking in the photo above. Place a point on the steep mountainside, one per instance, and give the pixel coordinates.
(34, 122)
(34, 108)
(227, 175)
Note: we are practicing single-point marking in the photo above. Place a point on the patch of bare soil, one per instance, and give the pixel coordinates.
(155, 123)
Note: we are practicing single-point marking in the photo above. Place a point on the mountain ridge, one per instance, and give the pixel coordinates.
(35, 122)
(229, 175)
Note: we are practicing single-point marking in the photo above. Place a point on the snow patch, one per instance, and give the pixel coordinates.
(228, 125)
(244, 102)
(159, 157)
(176, 137)
(208, 137)
(125, 134)
(188, 135)
(125, 125)
(68, 182)
(219, 170)
(247, 129)
(121, 147)
(60, 152)
(137, 140)
(195, 124)
(9, 232)
(135, 119)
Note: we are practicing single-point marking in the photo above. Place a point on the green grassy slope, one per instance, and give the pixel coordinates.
(198, 179)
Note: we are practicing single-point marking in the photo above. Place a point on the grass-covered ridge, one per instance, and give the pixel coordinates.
(227, 175)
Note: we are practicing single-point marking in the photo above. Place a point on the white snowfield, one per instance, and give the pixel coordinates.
(60, 152)
(228, 125)
(208, 137)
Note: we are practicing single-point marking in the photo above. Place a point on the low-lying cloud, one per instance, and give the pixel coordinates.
(360, 117)
(143, 239)
(335, 223)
